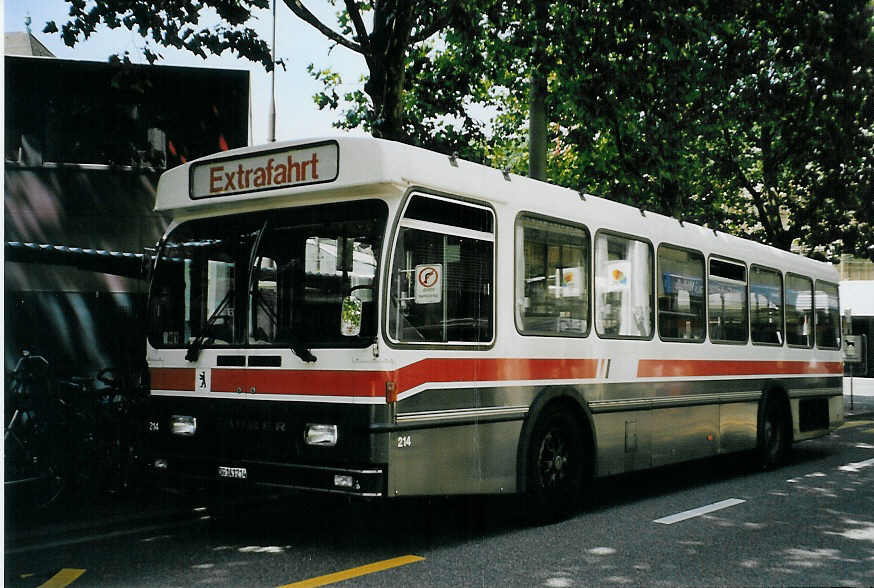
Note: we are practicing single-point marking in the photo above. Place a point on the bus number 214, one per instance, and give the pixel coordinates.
(405, 441)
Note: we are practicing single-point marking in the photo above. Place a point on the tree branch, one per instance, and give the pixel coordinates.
(439, 24)
(624, 157)
(764, 218)
(305, 15)
(360, 29)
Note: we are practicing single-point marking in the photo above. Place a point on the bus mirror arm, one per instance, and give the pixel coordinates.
(303, 353)
(295, 344)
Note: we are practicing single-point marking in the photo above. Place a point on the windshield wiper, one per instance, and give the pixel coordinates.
(194, 348)
(253, 255)
(295, 343)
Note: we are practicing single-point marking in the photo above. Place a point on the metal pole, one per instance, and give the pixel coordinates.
(272, 122)
(851, 388)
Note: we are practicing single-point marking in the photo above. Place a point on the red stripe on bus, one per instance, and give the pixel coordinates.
(172, 378)
(359, 384)
(654, 368)
(493, 370)
(371, 384)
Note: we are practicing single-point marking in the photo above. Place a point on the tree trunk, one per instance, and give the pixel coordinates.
(537, 129)
(392, 26)
(537, 105)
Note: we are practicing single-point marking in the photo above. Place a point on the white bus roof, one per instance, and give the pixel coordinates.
(261, 177)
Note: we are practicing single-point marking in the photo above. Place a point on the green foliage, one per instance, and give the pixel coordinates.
(755, 118)
(170, 23)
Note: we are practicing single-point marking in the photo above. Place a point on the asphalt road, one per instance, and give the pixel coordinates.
(811, 522)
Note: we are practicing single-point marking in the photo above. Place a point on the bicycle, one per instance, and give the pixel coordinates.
(33, 421)
(118, 423)
(76, 436)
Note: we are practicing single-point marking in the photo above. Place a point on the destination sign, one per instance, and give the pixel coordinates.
(295, 166)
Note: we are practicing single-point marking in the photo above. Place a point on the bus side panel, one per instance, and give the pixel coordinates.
(814, 417)
(464, 459)
(836, 412)
(686, 432)
(817, 407)
(738, 426)
(624, 441)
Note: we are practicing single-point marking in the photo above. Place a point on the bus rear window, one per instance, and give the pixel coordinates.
(828, 316)
(799, 311)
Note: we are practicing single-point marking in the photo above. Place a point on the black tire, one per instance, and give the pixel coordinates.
(774, 432)
(556, 466)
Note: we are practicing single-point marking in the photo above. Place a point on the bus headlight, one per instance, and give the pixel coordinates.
(321, 435)
(182, 425)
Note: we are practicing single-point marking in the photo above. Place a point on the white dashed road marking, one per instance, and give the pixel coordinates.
(697, 512)
(855, 467)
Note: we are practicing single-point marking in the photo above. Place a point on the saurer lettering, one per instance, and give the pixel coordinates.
(273, 173)
(250, 425)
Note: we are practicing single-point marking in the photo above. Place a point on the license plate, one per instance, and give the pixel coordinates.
(238, 473)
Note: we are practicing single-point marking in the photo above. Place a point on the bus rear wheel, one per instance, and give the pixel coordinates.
(555, 466)
(774, 440)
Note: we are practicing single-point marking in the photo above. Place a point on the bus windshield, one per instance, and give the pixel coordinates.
(276, 278)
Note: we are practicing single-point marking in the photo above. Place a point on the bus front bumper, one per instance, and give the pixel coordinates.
(367, 481)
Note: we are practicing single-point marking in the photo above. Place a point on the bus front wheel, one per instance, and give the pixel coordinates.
(555, 466)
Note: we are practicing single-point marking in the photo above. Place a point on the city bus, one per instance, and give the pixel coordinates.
(362, 317)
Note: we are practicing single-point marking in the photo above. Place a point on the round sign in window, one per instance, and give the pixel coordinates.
(429, 283)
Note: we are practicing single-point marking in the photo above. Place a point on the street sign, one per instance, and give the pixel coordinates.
(854, 349)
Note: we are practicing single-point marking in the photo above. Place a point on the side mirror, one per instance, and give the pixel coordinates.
(350, 316)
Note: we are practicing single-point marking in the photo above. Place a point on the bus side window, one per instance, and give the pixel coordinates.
(623, 287)
(766, 306)
(727, 301)
(828, 317)
(799, 311)
(552, 278)
(442, 273)
(681, 306)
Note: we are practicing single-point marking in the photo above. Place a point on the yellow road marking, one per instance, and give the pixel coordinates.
(63, 578)
(851, 424)
(355, 572)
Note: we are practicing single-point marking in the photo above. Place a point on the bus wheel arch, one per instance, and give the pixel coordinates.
(558, 433)
(774, 427)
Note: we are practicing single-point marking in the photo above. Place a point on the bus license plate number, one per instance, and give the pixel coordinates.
(237, 473)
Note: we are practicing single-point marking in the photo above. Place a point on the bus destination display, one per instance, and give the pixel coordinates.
(265, 171)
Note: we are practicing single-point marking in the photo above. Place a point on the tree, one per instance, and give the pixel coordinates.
(398, 27)
(170, 23)
(439, 85)
(755, 119)
(797, 123)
